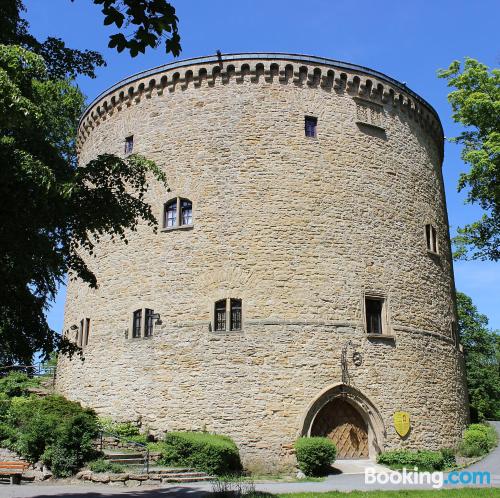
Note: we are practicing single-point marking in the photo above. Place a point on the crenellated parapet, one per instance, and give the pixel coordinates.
(366, 86)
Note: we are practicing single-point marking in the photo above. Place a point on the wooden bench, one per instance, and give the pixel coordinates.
(14, 470)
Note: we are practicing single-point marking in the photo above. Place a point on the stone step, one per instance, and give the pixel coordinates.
(129, 461)
(186, 479)
(187, 475)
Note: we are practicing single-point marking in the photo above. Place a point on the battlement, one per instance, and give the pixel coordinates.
(300, 70)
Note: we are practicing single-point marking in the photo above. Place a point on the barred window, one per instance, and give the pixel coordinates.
(373, 308)
(220, 315)
(235, 314)
(431, 238)
(136, 323)
(129, 144)
(148, 328)
(311, 124)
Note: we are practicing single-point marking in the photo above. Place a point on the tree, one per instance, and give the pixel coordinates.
(476, 105)
(482, 355)
(52, 212)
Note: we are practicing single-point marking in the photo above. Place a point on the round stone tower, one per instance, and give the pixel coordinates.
(301, 280)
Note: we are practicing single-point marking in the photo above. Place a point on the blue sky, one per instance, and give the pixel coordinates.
(406, 40)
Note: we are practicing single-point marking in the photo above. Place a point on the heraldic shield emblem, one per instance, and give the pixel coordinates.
(402, 423)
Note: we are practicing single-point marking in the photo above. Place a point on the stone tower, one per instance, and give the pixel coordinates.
(301, 280)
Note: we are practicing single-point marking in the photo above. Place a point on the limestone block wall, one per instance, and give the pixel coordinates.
(299, 228)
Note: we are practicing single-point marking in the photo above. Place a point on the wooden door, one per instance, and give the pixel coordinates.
(344, 425)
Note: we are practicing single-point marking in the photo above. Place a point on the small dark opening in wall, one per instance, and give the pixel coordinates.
(311, 124)
(129, 144)
(373, 315)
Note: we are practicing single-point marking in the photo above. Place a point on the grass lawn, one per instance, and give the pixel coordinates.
(445, 493)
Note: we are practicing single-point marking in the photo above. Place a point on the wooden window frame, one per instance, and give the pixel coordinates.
(231, 304)
(386, 332)
(178, 214)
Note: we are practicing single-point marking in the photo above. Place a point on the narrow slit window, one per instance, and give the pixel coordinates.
(148, 331)
(87, 331)
(235, 314)
(80, 334)
(311, 124)
(186, 212)
(220, 315)
(431, 238)
(129, 144)
(373, 315)
(136, 324)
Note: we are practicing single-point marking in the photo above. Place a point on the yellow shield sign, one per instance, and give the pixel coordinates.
(402, 423)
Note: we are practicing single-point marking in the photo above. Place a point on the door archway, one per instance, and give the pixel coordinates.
(341, 422)
(349, 418)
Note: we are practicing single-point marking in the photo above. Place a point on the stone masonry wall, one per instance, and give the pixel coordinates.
(298, 228)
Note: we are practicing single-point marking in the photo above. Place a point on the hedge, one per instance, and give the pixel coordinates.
(424, 460)
(210, 453)
(478, 440)
(315, 455)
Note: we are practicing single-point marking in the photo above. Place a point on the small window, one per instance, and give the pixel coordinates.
(186, 212)
(235, 323)
(171, 214)
(80, 335)
(136, 324)
(178, 212)
(87, 331)
(148, 330)
(431, 238)
(373, 308)
(311, 124)
(220, 315)
(129, 144)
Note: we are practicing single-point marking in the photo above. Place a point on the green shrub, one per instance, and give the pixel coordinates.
(17, 384)
(315, 455)
(424, 460)
(478, 440)
(121, 429)
(52, 429)
(102, 465)
(211, 453)
(449, 459)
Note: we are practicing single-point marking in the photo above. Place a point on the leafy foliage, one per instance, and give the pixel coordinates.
(476, 105)
(315, 455)
(53, 212)
(154, 18)
(482, 360)
(211, 453)
(16, 384)
(102, 465)
(478, 440)
(52, 429)
(424, 460)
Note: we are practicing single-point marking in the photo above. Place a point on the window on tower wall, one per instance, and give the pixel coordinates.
(178, 212)
(373, 309)
(431, 238)
(227, 315)
(129, 144)
(136, 323)
(148, 327)
(311, 124)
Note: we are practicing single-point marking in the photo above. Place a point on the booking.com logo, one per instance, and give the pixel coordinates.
(435, 479)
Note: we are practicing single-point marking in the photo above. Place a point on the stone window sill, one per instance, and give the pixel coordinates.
(371, 125)
(384, 337)
(432, 253)
(180, 227)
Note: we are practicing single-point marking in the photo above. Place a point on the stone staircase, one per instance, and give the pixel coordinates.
(135, 460)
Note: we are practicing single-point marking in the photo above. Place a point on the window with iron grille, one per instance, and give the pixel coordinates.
(129, 144)
(186, 212)
(136, 323)
(148, 330)
(235, 323)
(311, 124)
(373, 308)
(220, 315)
(431, 238)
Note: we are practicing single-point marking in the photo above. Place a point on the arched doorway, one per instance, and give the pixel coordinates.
(346, 415)
(343, 424)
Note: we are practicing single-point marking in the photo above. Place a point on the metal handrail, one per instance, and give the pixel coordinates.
(145, 468)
